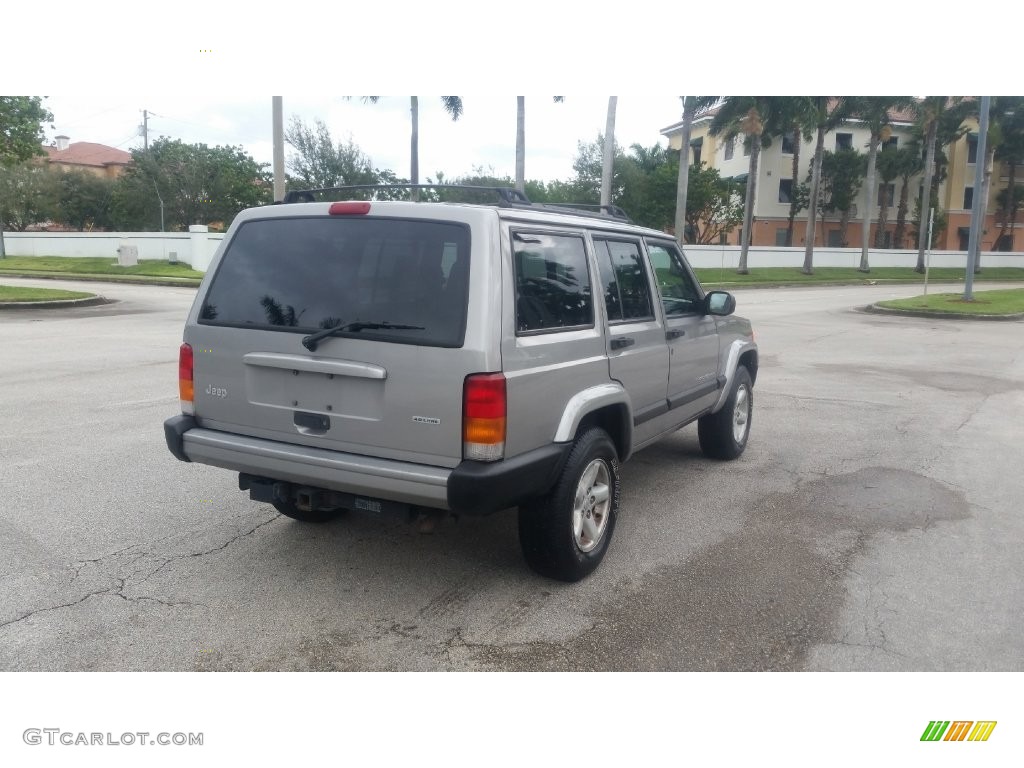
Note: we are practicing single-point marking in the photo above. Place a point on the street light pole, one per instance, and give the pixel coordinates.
(979, 206)
(278, 119)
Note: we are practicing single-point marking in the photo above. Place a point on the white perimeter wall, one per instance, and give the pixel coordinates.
(151, 245)
(158, 245)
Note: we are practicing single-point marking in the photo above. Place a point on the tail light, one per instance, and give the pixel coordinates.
(483, 417)
(185, 389)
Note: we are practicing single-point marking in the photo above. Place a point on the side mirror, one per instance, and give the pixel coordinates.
(719, 303)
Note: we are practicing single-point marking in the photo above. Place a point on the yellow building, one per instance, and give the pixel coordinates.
(775, 179)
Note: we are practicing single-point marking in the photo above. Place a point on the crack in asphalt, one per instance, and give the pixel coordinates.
(127, 582)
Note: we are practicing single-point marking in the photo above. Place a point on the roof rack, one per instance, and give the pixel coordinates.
(506, 197)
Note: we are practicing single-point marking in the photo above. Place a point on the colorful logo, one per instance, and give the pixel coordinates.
(958, 730)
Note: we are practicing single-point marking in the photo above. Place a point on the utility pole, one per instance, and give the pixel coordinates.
(145, 130)
(278, 120)
(979, 206)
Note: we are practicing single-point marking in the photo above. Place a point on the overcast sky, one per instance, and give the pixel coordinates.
(484, 135)
(207, 70)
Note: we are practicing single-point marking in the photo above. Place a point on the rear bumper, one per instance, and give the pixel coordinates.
(471, 488)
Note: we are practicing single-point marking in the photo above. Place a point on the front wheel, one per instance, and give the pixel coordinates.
(565, 534)
(724, 435)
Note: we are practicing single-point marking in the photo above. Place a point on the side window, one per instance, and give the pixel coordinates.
(627, 292)
(552, 282)
(680, 294)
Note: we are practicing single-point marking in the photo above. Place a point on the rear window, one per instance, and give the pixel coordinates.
(307, 274)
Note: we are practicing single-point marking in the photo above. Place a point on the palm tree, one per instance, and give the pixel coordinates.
(875, 111)
(798, 121)
(935, 114)
(830, 112)
(452, 105)
(747, 115)
(521, 139)
(691, 106)
(608, 156)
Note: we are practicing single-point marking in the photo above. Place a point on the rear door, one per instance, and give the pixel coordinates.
(392, 393)
(638, 355)
(692, 335)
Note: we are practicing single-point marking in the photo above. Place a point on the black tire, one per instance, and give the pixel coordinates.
(551, 545)
(717, 437)
(288, 509)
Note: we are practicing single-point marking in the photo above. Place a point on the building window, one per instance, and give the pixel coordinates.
(835, 238)
(887, 239)
(893, 142)
(844, 141)
(968, 198)
(723, 238)
(787, 143)
(746, 148)
(782, 237)
(972, 148)
(1004, 243)
(785, 190)
(695, 154)
(730, 148)
(889, 190)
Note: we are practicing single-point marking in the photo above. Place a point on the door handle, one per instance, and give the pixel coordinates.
(674, 333)
(622, 341)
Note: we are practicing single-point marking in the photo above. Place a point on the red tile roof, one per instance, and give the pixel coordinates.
(88, 153)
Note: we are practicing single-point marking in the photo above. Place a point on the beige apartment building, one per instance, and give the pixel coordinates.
(775, 179)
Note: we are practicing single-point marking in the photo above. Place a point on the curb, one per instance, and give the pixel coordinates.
(58, 304)
(877, 310)
(180, 282)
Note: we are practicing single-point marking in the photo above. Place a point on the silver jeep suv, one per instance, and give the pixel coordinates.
(402, 356)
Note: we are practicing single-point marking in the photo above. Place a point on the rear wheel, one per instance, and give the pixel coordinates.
(565, 534)
(723, 435)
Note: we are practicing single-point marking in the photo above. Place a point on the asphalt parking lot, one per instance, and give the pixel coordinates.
(874, 522)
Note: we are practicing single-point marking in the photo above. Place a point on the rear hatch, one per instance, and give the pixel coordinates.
(386, 392)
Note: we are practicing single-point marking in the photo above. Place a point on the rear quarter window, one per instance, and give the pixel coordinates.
(553, 289)
(305, 274)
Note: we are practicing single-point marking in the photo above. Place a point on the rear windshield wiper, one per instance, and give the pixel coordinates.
(310, 342)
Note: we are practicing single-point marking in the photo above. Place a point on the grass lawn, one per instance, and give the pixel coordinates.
(1007, 302)
(10, 293)
(793, 275)
(34, 265)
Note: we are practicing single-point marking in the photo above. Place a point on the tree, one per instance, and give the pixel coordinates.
(842, 173)
(521, 139)
(318, 162)
(1010, 152)
(691, 106)
(888, 168)
(197, 183)
(21, 137)
(713, 207)
(875, 112)
(830, 111)
(909, 162)
(84, 201)
(746, 115)
(28, 195)
(608, 155)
